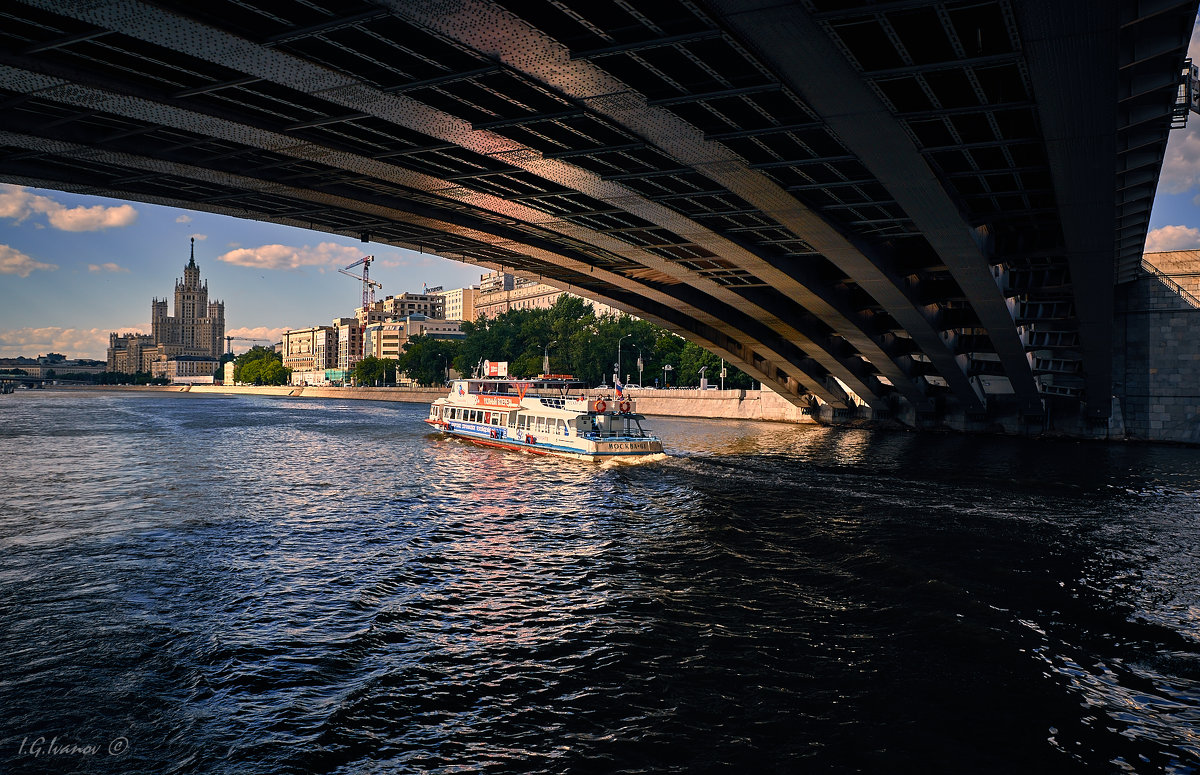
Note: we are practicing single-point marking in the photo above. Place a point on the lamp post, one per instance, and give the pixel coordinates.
(639, 349)
(617, 373)
(445, 368)
(666, 367)
(546, 358)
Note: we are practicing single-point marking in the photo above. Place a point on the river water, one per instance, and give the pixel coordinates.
(255, 585)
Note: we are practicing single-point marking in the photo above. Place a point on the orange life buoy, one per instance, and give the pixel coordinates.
(601, 406)
(626, 406)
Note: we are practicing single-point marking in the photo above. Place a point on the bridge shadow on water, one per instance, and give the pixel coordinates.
(324, 587)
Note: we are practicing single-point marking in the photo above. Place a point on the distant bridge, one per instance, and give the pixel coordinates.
(916, 207)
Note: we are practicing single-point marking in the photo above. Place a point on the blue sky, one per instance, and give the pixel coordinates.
(73, 268)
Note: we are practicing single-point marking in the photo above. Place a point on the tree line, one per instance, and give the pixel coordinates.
(577, 342)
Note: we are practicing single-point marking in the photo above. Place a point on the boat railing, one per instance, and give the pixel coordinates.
(559, 402)
(630, 434)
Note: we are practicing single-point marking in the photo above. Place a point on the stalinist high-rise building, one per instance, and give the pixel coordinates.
(196, 332)
(198, 325)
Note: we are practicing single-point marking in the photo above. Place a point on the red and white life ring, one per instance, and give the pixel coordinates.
(601, 406)
(626, 406)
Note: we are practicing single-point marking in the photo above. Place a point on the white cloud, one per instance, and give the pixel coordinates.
(93, 218)
(199, 237)
(18, 203)
(184, 219)
(269, 336)
(326, 254)
(106, 267)
(408, 262)
(13, 261)
(1173, 238)
(71, 342)
(1181, 164)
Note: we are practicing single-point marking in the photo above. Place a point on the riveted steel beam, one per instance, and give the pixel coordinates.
(329, 25)
(830, 85)
(186, 35)
(685, 99)
(1076, 141)
(628, 295)
(761, 131)
(444, 80)
(669, 40)
(573, 154)
(169, 116)
(65, 41)
(483, 25)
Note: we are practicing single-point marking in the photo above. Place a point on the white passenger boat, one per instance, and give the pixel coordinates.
(540, 416)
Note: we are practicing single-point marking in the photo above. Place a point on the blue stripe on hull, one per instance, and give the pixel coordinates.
(504, 442)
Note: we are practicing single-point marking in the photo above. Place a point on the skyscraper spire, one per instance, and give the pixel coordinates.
(192, 262)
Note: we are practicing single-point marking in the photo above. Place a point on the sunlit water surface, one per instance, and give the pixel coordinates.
(253, 585)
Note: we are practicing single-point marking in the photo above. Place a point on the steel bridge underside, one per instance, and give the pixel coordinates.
(867, 205)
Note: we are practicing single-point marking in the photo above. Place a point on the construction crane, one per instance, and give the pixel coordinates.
(368, 285)
(229, 340)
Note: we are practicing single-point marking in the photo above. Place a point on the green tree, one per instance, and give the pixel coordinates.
(425, 359)
(586, 346)
(274, 373)
(375, 371)
(260, 366)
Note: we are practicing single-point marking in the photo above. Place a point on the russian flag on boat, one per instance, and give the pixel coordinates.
(617, 385)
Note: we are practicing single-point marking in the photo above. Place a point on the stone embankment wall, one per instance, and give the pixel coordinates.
(716, 404)
(719, 404)
(410, 395)
(1156, 369)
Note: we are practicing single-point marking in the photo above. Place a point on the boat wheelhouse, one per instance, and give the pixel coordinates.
(541, 416)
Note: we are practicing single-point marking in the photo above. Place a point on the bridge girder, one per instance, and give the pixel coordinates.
(829, 195)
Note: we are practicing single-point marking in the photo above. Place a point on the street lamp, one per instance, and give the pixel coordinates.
(617, 374)
(546, 358)
(639, 349)
(666, 367)
(445, 367)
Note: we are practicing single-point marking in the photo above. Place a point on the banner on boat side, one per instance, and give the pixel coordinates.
(495, 368)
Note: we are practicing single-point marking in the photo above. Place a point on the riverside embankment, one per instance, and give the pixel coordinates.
(713, 404)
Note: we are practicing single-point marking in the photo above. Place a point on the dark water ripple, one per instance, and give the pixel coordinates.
(259, 586)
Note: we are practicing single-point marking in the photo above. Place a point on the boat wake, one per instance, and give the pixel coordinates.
(638, 460)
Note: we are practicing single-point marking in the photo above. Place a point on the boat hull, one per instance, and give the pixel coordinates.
(593, 451)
